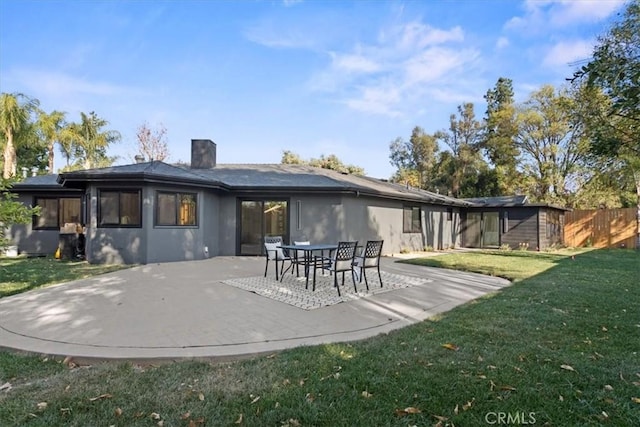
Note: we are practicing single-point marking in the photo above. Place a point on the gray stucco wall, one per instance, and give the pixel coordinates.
(30, 241)
(152, 243)
(227, 207)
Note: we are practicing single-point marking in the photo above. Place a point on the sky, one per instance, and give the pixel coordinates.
(309, 76)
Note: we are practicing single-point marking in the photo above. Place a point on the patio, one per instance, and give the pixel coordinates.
(222, 308)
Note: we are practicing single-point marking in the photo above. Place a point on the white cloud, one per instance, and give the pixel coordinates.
(377, 100)
(562, 53)
(60, 84)
(502, 42)
(540, 14)
(354, 63)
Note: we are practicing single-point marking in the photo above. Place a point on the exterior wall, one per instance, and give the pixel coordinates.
(115, 245)
(441, 232)
(523, 227)
(320, 219)
(227, 226)
(152, 243)
(35, 242)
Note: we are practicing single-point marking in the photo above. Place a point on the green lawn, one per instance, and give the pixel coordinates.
(23, 274)
(560, 347)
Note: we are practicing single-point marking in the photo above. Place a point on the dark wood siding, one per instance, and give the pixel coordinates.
(522, 227)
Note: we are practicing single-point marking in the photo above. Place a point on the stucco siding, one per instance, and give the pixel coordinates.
(227, 223)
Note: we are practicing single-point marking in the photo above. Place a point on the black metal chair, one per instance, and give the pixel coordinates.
(369, 258)
(274, 253)
(341, 262)
(299, 257)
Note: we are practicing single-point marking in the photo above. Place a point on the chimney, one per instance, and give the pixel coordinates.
(203, 154)
(139, 158)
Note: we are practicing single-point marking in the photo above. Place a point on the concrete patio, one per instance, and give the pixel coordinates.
(185, 310)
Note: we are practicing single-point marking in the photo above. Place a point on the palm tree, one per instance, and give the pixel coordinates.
(50, 127)
(15, 113)
(87, 142)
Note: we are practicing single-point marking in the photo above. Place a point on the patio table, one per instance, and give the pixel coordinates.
(308, 251)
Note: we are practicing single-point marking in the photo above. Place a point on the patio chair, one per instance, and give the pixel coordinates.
(341, 262)
(299, 257)
(274, 253)
(369, 258)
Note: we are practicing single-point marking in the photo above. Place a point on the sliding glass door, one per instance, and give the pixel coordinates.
(260, 218)
(482, 229)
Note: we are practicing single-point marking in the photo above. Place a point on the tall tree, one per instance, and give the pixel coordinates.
(152, 144)
(419, 155)
(50, 128)
(15, 115)
(462, 138)
(88, 142)
(552, 138)
(499, 136)
(615, 67)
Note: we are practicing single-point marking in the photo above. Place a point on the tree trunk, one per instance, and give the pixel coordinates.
(50, 148)
(10, 160)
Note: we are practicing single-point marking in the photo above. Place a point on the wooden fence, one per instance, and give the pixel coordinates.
(601, 228)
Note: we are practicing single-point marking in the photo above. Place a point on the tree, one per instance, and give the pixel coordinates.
(462, 138)
(87, 142)
(419, 155)
(152, 144)
(499, 137)
(11, 211)
(50, 128)
(15, 113)
(615, 67)
(325, 162)
(552, 139)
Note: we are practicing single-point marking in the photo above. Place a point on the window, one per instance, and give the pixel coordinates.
(176, 208)
(55, 212)
(411, 219)
(119, 208)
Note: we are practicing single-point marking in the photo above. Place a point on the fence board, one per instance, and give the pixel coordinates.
(601, 228)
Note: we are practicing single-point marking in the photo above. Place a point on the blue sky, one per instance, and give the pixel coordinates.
(313, 77)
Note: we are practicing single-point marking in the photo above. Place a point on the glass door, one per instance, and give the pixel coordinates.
(490, 229)
(260, 218)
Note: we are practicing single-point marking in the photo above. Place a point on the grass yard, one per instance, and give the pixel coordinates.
(561, 347)
(24, 274)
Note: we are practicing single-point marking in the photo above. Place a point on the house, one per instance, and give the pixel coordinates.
(156, 212)
(512, 221)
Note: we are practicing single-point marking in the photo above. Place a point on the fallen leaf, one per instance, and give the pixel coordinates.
(568, 368)
(291, 422)
(604, 329)
(412, 410)
(450, 346)
(67, 360)
(492, 385)
(6, 386)
(41, 406)
(608, 387)
(160, 423)
(118, 412)
(492, 367)
(201, 397)
(139, 414)
(102, 396)
(239, 420)
(255, 399)
(560, 398)
(468, 405)
(636, 383)
(67, 388)
(635, 399)
(439, 417)
(154, 416)
(366, 394)
(507, 388)
(271, 356)
(400, 413)
(310, 397)
(301, 382)
(456, 410)
(185, 416)
(65, 411)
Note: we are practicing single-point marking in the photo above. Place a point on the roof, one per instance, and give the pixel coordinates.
(257, 177)
(509, 201)
(39, 183)
(500, 201)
